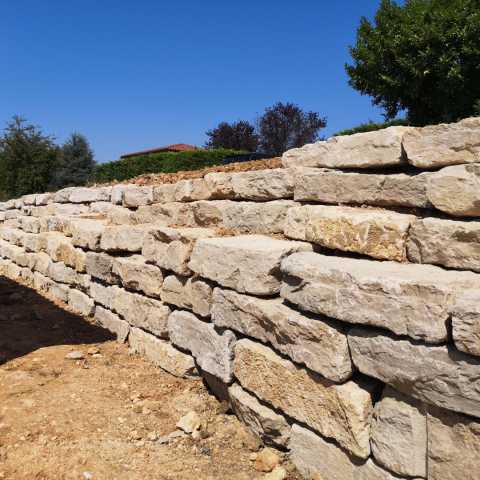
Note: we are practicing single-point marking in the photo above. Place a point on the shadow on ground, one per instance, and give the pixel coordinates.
(29, 322)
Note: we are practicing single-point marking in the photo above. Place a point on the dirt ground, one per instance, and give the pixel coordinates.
(104, 416)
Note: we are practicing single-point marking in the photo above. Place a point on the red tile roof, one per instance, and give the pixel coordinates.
(176, 147)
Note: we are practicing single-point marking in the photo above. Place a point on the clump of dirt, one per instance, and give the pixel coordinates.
(74, 404)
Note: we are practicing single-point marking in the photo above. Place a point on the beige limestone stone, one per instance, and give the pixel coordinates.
(466, 322)
(450, 243)
(112, 323)
(362, 150)
(168, 214)
(310, 340)
(100, 265)
(334, 186)
(438, 375)
(340, 412)
(86, 233)
(104, 295)
(135, 196)
(118, 215)
(456, 190)
(162, 354)
(453, 446)
(164, 193)
(59, 272)
(117, 194)
(127, 238)
(399, 434)
(263, 421)
(80, 303)
(213, 351)
(407, 299)
(191, 190)
(135, 274)
(445, 144)
(30, 224)
(246, 263)
(170, 248)
(89, 195)
(262, 185)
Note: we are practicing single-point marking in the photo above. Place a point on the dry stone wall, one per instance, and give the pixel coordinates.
(335, 302)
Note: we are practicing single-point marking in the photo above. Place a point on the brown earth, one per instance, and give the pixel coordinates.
(102, 417)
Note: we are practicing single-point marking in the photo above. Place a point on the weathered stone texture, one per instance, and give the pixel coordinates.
(100, 265)
(213, 351)
(89, 195)
(80, 303)
(313, 341)
(127, 238)
(341, 412)
(466, 322)
(413, 300)
(438, 375)
(135, 196)
(247, 263)
(112, 322)
(86, 233)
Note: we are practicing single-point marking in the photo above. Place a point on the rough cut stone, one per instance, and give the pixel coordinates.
(334, 186)
(317, 459)
(164, 193)
(191, 190)
(341, 412)
(453, 446)
(170, 248)
(100, 265)
(89, 195)
(86, 233)
(377, 233)
(407, 299)
(162, 354)
(399, 434)
(135, 196)
(117, 194)
(362, 150)
(213, 351)
(128, 238)
(445, 144)
(112, 322)
(80, 303)
(263, 421)
(466, 322)
(438, 375)
(450, 243)
(118, 215)
(247, 263)
(456, 190)
(313, 341)
(173, 213)
(59, 272)
(142, 312)
(136, 274)
(104, 295)
(262, 185)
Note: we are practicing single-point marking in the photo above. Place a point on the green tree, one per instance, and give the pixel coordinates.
(235, 136)
(27, 159)
(422, 57)
(76, 163)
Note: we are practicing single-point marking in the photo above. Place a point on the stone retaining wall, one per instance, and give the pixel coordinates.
(334, 302)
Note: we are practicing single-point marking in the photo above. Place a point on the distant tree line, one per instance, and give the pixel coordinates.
(31, 161)
(281, 127)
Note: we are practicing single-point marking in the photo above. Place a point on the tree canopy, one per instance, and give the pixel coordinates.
(422, 57)
(235, 136)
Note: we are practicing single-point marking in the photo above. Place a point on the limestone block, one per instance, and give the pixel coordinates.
(453, 446)
(89, 195)
(340, 412)
(456, 190)
(135, 196)
(59, 292)
(212, 351)
(29, 199)
(449, 243)
(86, 233)
(191, 190)
(142, 312)
(30, 224)
(127, 238)
(466, 322)
(445, 144)
(247, 263)
(118, 215)
(42, 263)
(399, 434)
(80, 303)
(407, 299)
(59, 272)
(162, 354)
(313, 341)
(164, 193)
(100, 265)
(220, 185)
(31, 242)
(63, 209)
(380, 148)
(174, 213)
(112, 323)
(41, 283)
(104, 295)
(60, 249)
(101, 208)
(43, 198)
(438, 375)
(317, 459)
(135, 274)
(188, 293)
(263, 421)
(117, 194)
(12, 214)
(262, 185)
(170, 248)
(62, 196)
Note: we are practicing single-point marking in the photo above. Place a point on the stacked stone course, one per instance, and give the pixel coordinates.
(335, 302)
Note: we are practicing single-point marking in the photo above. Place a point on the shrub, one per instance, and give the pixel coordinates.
(168, 162)
(371, 126)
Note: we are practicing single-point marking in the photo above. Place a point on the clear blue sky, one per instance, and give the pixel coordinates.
(137, 74)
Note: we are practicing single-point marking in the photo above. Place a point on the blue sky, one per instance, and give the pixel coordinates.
(133, 75)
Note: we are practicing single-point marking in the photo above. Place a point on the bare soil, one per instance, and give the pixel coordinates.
(101, 417)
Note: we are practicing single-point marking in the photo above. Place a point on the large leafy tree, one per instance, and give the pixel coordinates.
(422, 57)
(27, 159)
(76, 163)
(235, 136)
(286, 125)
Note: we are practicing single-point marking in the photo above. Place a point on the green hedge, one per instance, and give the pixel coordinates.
(170, 162)
(370, 127)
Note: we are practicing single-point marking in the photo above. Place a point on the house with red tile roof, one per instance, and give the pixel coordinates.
(176, 147)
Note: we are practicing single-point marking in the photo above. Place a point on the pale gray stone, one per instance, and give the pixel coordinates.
(86, 233)
(262, 185)
(213, 351)
(167, 214)
(191, 190)
(263, 421)
(341, 412)
(104, 295)
(89, 195)
(135, 196)
(127, 238)
(445, 144)
(100, 265)
(112, 323)
(313, 341)
(247, 263)
(438, 375)
(164, 193)
(118, 215)
(80, 303)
